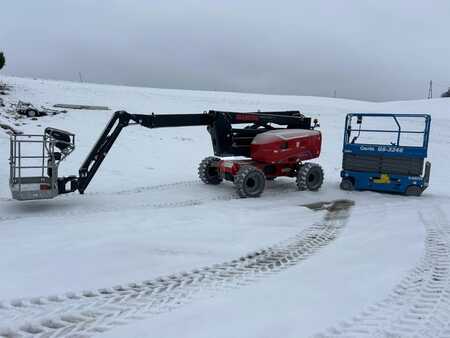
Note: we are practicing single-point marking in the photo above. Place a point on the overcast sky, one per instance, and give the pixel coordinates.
(375, 50)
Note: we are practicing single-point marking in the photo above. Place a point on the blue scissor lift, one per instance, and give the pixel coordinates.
(396, 166)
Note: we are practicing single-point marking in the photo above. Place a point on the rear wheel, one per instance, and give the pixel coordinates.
(413, 190)
(208, 171)
(249, 182)
(309, 177)
(347, 184)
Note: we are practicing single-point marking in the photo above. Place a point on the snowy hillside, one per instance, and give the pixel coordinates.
(150, 251)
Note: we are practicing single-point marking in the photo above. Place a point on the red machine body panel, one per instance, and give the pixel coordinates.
(286, 146)
(277, 152)
(231, 167)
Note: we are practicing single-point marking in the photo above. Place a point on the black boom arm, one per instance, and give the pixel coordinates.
(120, 120)
(226, 140)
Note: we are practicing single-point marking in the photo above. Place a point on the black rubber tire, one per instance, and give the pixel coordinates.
(413, 190)
(249, 182)
(208, 172)
(309, 177)
(31, 113)
(347, 184)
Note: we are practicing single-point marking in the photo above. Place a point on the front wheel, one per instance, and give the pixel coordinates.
(309, 177)
(347, 184)
(249, 182)
(208, 171)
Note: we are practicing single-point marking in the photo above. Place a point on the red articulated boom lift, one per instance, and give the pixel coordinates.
(270, 145)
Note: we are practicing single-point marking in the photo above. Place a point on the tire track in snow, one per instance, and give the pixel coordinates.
(87, 313)
(419, 306)
(130, 191)
(276, 189)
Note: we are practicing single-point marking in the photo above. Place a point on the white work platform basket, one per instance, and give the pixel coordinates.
(34, 161)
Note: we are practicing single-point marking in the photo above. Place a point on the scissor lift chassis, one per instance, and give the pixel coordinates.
(386, 167)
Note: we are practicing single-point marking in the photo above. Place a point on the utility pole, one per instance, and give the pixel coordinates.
(334, 93)
(430, 90)
(81, 78)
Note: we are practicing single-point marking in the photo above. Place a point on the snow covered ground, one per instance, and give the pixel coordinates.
(149, 251)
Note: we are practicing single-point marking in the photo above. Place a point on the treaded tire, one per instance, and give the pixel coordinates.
(309, 177)
(347, 184)
(413, 190)
(208, 172)
(249, 182)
